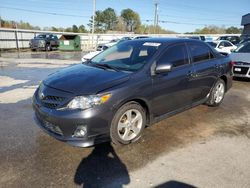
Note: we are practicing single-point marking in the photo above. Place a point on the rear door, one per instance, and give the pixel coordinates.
(228, 46)
(170, 90)
(205, 67)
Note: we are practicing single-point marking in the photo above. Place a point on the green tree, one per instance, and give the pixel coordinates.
(68, 29)
(109, 19)
(98, 22)
(74, 28)
(132, 19)
(54, 29)
(148, 29)
(233, 30)
(210, 30)
(82, 29)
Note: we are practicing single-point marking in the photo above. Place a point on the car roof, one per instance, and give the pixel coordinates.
(223, 41)
(167, 40)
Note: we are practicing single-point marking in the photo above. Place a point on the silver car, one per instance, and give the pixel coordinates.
(241, 60)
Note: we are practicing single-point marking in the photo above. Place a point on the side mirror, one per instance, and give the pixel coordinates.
(163, 68)
(220, 47)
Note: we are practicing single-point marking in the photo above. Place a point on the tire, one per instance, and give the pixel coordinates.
(124, 131)
(48, 47)
(217, 94)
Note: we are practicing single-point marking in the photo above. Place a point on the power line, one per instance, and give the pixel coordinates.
(201, 8)
(184, 23)
(206, 19)
(43, 12)
(26, 4)
(196, 12)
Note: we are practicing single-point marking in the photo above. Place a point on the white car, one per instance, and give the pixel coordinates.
(223, 46)
(90, 55)
(241, 60)
(102, 47)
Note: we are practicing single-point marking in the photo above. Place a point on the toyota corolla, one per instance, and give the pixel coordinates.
(128, 87)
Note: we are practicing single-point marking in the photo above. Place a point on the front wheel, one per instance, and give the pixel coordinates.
(217, 94)
(128, 123)
(48, 47)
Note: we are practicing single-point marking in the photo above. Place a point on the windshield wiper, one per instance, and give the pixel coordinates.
(106, 66)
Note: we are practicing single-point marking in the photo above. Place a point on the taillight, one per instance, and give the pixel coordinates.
(232, 63)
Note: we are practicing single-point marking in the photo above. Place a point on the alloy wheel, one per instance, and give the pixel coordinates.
(219, 93)
(130, 124)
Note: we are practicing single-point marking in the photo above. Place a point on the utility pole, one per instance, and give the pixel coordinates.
(157, 24)
(0, 20)
(93, 22)
(155, 17)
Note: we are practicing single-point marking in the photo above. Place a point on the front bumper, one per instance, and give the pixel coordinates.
(241, 71)
(61, 124)
(37, 45)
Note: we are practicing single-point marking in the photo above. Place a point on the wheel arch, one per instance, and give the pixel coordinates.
(224, 78)
(141, 102)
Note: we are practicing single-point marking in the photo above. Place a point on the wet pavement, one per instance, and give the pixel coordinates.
(31, 158)
(63, 55)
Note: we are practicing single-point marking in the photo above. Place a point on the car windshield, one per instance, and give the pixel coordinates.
(41, 36)
(126, 56)
(213, 44)
(243, 48)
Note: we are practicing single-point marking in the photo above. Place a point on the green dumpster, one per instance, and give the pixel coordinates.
(70, 42)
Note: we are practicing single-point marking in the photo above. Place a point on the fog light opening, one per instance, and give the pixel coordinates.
(80, 132)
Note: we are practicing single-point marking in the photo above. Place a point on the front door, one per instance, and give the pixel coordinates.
(170, 91)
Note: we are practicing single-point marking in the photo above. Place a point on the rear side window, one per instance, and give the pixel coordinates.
(199, 52)
(175, 55)
(227, 44)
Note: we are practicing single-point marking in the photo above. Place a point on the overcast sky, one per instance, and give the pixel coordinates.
(183, 16)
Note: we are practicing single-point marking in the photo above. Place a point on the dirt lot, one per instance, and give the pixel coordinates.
(202, 147)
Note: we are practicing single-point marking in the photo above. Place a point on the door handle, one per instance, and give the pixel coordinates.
(191, 74)
(218, 66)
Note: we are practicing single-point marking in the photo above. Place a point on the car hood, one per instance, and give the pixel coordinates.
(240, 57)
(85, 80)
(34, 39)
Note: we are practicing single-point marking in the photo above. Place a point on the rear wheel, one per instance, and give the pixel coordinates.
(217, 94)
(128, 123)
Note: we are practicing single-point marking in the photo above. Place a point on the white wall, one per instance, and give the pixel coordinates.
(8, 38)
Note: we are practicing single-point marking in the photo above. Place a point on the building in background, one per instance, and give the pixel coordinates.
(246, 23)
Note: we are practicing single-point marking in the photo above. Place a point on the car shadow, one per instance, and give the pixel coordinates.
(102, 168)
(174, 184)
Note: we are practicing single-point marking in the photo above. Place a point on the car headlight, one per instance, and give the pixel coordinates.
(84, 102)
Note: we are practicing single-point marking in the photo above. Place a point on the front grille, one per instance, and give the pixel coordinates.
(49, 98)
(52, 101)
(54, 98)
(243, 70)
(50, 105)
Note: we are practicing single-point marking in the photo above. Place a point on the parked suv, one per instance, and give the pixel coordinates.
(129, 86)
(44, 42)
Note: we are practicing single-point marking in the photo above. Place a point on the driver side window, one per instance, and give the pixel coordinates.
(175, 55)
(222, 44)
